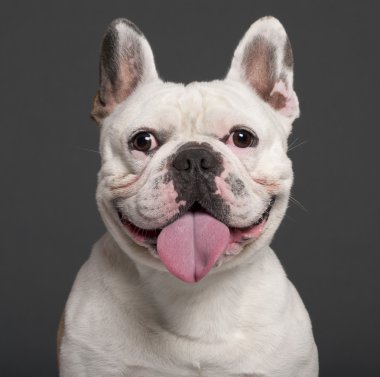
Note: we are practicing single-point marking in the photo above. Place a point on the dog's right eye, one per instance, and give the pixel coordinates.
(144, 141)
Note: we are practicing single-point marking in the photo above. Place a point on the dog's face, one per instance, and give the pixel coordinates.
(191, 175)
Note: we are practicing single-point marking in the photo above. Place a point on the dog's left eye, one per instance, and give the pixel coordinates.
(144, 141)
(243, 138)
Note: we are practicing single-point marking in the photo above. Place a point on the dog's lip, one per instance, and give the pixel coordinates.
(140, 233)
(150, 235)
(265, 214)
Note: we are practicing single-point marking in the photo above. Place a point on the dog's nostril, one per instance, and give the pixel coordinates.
(182, 164)
(206, 163)
(186, 164)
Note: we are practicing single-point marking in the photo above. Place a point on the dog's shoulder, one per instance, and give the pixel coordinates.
(60, 334)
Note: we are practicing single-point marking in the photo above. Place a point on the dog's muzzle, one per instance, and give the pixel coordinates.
(191, 242)
(193, 169)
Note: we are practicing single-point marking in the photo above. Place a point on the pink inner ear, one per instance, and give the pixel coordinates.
(289, 106)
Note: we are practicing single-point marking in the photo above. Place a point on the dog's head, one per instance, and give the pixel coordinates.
(193, 174)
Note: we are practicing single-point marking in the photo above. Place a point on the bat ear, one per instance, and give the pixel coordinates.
(126, 61)
(264, 61)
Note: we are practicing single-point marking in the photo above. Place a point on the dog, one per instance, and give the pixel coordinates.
(194, 181)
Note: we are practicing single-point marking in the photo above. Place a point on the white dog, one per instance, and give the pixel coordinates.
(195, 180)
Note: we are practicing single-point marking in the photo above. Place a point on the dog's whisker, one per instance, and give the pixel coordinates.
(297, 145)
(298, 204)
(290, 218)
(87, 149)
(293, 142)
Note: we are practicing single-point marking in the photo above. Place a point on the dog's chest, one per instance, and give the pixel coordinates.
(133, 350)
(213, 364)
(195, 372)
(164, 354)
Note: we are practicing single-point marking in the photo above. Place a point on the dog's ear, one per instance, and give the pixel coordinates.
(126, 61)
(264, 61)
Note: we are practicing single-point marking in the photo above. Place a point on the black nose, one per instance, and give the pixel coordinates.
(195, 159)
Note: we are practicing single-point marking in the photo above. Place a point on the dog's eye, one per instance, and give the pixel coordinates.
(144, 141)
(243, 138)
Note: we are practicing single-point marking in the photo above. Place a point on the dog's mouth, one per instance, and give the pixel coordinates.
(190, 245)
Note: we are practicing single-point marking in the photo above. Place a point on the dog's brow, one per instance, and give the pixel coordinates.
(220, 138)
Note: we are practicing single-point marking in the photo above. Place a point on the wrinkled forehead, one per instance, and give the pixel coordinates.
(198, 108)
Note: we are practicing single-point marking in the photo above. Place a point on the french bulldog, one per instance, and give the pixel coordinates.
(194, 181)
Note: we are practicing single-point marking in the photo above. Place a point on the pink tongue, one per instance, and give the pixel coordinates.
(191, 245)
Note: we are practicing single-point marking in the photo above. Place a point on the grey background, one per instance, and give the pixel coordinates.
(48, 77)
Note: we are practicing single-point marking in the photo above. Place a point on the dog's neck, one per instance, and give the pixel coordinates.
(212, 310)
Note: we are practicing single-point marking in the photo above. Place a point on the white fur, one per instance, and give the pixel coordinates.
(129, 320)
(126, 315)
